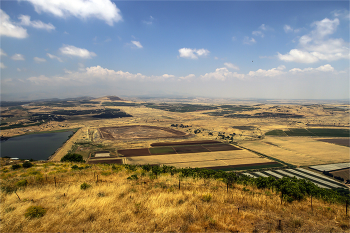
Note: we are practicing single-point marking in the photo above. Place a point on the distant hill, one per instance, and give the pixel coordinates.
(114, 98)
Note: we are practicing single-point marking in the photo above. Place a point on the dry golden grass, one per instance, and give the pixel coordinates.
(116, 204)
(301, 151)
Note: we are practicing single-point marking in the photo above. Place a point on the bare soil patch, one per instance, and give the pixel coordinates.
(139, 132)
(344, 173)
(338, 141)
(185, 143)
(134, 152)
(95, 161)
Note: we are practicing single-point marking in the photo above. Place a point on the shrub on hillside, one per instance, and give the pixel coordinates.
(73, 158)
(15, 166)
(27, 164)
(35, 212)
(84, 186)
(22, 183)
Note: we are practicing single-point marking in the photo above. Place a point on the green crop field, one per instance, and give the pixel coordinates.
(161, 150)
(331, 132)
(276, 132)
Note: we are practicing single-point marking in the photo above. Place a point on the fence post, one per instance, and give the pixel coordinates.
(17, 195)
(227, 187)
(55, 180)
(279, 224)
(179, 183)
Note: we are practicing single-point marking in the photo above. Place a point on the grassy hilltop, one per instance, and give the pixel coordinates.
(114, 198)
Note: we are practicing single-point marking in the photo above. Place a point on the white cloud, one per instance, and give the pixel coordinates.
(216, 58)
(287, 28)
(2, 53)
(258, 33)
(54, 57)
(341, 13)
(101, 9)
(193, 53)
(265, 27)
(39, 60)
(222, 74)
(168, 76)
(248, 41)
(149, 21)
(188, 77)
(2, 66)
(268, 73)
(316, 45)
(231, 66)
(25, 20)
(17, 57)
(325, 68)
(137, 44)
(7, 28)
(78, 52)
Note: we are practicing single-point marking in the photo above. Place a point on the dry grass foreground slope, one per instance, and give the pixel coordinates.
(118, 204)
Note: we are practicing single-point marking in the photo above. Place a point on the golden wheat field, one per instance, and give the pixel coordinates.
(117, 204)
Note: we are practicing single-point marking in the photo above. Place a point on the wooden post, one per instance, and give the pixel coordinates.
(238, 210)
(227, 187)
(55, 180)
(279, 224)
(179, 183)
(17, 195)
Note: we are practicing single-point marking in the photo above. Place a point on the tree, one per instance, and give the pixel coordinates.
(73, 158)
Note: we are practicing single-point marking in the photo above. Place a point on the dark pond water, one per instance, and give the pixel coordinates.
(33, 146)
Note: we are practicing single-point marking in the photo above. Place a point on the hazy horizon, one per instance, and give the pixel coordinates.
(257, 50)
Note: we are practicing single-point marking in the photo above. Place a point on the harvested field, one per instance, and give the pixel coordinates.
(185, 143)
(247, 166)
(139, 132)
(300, 151)
(345, 173)
(315, 132)
(204, 159)
(134, 152)
(338, 141)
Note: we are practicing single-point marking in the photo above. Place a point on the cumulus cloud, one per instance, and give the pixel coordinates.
(2, 66)
(17, 57)
(2, 53)
(25, 20)
(268, 73)
(188, 77)
(317, 45)
(101, 9)
(94, 74)
(39, 60)
(231, 66)
(248, 40)
(78, 52)
(258, 33)
(222, 74)
(8, 28)
(288, 28)
(324, 68)
(193, 53)
(54, 57)
(137, 44)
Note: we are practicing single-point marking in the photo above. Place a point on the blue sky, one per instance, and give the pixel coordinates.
(230, 49)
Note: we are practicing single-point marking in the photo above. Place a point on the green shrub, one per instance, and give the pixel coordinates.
(27, 164)
(206, 197)
(73, 158)
(22, 183)
(133, 177)
(15, 166)
(84, 186)
(35, 212)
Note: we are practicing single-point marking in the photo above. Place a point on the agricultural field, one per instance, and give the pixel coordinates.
(315, 132)
(300, 151)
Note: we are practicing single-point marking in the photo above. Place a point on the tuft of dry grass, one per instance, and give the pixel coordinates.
(149, 204)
